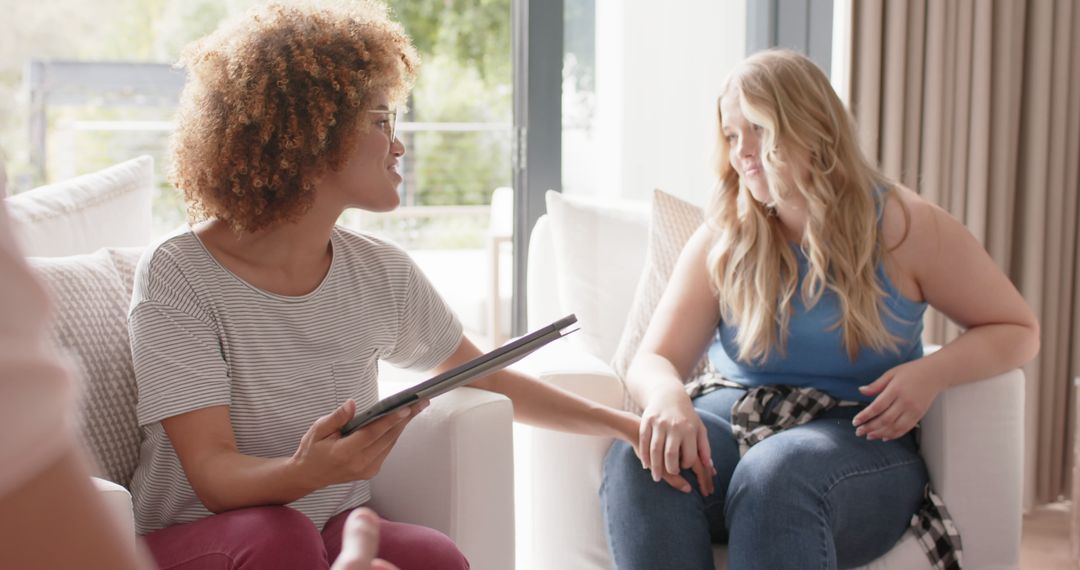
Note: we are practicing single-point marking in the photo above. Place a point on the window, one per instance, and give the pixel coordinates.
(579, 121)
(87, 84)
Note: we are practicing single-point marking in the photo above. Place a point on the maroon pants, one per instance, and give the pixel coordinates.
(269, 538)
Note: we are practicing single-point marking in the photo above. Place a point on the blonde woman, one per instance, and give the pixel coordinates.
(806, 287)
(256, 333)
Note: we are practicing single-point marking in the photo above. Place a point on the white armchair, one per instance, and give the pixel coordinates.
(451, 470)
(971, 441)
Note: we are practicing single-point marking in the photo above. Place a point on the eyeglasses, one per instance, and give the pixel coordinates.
(389, 124)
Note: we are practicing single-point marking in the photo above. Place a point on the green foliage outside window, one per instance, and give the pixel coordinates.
(465, 78)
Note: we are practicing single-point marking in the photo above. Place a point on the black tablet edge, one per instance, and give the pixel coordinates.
(411, 394)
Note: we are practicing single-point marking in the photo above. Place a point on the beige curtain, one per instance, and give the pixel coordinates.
(976, 104)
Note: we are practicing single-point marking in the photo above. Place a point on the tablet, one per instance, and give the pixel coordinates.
(480, 366)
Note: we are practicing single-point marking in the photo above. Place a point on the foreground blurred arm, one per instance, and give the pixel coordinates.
(58, 520)
(51, 516)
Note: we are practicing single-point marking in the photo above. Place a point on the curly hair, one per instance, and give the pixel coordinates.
(274, 99)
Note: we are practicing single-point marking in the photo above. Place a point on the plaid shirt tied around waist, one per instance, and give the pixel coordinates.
(755, 417)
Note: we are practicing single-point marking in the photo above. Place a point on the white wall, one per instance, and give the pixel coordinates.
(659, 70)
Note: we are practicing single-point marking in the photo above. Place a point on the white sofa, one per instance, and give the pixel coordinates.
(451, 470)
(971, 440)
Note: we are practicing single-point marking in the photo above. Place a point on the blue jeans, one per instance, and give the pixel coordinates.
(814, 496)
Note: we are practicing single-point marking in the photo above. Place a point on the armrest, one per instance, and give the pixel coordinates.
(559, 474)
(973, 443)
(573, 369)
(452, 470)
(118, 502)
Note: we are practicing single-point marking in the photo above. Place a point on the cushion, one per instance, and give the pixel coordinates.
(109, 208)
(90, 306)
(126, 259)
(599, 249)
(672, 223)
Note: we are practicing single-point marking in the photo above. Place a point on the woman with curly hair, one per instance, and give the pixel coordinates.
(41, 468)
(256, 332)
(806, 288)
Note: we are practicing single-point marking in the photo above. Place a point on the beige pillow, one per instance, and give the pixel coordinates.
(672, 223)
(126, 260)
(90, 306)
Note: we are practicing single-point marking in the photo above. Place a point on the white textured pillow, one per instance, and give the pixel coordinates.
(126, 259)
(109, 208)
(673, 222)
(599, 250)
(90, 306)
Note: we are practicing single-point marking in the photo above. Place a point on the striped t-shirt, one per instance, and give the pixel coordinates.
(201, 337)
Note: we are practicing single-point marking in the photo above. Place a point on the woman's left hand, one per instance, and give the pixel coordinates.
(902, 397)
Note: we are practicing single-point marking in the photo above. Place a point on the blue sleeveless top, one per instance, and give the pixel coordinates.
(815, 355)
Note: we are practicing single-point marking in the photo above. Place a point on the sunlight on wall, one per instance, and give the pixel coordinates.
(659, 72)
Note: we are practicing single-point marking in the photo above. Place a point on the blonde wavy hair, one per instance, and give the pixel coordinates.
(755, 273)
(275, 99)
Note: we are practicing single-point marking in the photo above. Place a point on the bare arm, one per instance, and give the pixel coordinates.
(225, 479)
(681, 327)
(962, 281)
(672, 435)
(60, 503)
(549, 407)
(546, 406)
(956, 276)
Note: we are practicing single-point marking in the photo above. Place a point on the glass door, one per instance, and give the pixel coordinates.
(455, 217)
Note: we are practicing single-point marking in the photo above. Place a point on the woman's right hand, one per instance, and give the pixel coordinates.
(327, 458)
(673, 438)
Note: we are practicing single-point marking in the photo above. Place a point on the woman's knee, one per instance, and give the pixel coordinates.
(620, 458)
(414, 547)
(628, 489)
(775, 475)
(276, 520)
(623, 474)
(257, 537)
(277, 534)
